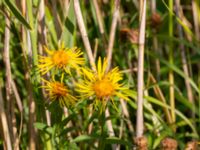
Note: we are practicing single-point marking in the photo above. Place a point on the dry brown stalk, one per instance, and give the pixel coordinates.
(20, 107)
(109, 57)
(126, 114)
(26, 49)
(86, 42)
(4, 124)
(42, 42)
(56, 18)
(183, 57)
(99, 16)
(140, 82)
(112, 32)
(155, 40)
(160, 96)
(196, 19)
(110, 127)
(79, 18)
(95, 48)
(9, 95)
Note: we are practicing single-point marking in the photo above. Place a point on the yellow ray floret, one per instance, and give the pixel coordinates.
(63, 59)
(59, 92)
(101, 84)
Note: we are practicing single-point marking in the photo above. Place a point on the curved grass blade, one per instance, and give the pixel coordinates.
(17, 13)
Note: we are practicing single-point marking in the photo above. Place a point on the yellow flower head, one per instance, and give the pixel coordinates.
(62, 59)
(101, 84)
(60, 92)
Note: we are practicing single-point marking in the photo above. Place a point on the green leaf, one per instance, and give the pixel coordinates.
(83, 138)
(17, 13)
(69, 27)
(43, 127)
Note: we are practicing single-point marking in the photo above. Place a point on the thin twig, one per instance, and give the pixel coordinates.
(96, 48)
(112, 33)
(79, 18)
(184, 59)
(4, 123)
(196, 19)
(109, 57)
(10, 102)
(42, 42)
(8, 72)
(110, 127)
(32, 49)
(20, 107)
(99, 17)
(140, 74)
(126, 114)
(100, 20)
(160, 96)
(155, 41)
(56, 19)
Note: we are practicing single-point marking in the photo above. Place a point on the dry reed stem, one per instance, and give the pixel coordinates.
(6, 57)
(160, 96)
(155, 42)
(79, 18)
(140, 74)
(20, 107)
(5, 127)
(109, 57)
(99, 16)
(42, 42)
(65, 4)
(16, 93)
(10, 103)
(95, 48)
(69, 124)
(126, 114)
(112, 33)
(110, 127)
(196, 19)
(86, 42)
(27, 49)
(41, 28)
(183, 57)
(57, 21)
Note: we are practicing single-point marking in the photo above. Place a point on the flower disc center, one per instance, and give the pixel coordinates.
(59, 90)
(103, 88)
(60, 58)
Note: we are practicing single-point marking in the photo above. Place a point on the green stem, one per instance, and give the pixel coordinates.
(101, 123)
(33, 34)
(171, 61)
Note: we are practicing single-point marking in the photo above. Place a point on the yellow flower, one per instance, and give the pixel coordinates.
(62, 59)
(101, 84)
(60, 92)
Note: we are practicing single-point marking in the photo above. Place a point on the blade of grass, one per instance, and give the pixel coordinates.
(17, 13)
